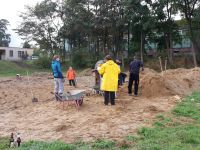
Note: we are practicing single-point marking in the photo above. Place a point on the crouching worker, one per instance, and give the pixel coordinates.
(58, 77)
(71, 75)
(110, 72)
(123, 77)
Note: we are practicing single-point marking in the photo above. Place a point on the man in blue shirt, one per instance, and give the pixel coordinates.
(58, 77)
(135, 66)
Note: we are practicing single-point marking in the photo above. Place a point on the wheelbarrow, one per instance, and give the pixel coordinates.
(74, 97)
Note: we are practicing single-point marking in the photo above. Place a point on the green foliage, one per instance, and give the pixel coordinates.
(4, 37)
(189, 9)
(190, 107)
(163, 121)
(26, 45)
(43, 62)
(174, 138)
(101, 25)
(103, 144)
(81, 59)
(40, 24)
(35, 145)
(4, 143)
(66, 64)
(132, 138)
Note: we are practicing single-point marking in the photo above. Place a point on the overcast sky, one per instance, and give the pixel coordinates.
(10, 10)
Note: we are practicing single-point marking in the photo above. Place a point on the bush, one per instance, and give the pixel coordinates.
(82, 59)
(43, 62)
(79, 60)
(66, 64)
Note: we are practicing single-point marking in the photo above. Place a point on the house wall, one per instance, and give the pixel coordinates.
(15, 52)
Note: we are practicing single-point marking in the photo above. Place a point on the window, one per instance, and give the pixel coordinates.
(20, 54)
(11, 53)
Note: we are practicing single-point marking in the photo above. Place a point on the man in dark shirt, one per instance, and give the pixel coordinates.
(135, 66)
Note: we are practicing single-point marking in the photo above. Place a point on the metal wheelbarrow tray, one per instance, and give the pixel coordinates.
(73, 97)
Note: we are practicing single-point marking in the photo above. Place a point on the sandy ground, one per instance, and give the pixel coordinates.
(46, 120)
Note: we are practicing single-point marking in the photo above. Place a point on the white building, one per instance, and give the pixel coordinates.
(14, 53)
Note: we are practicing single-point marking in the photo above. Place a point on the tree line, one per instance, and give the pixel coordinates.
(4, 36)
(93, 28)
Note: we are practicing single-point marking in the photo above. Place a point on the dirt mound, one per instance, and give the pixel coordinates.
(86, 72)
(154, 85)
(172, 82)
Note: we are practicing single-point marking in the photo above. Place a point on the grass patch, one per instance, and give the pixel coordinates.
(169, 138)
(9, 68)
(4, 143)
(38, 145)
(172, 133)
(190, 107)
(132, 138)
(103, 144)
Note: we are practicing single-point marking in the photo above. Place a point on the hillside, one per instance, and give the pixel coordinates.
(11, 68)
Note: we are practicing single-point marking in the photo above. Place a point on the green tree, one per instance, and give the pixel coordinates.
(41, 23)
(98, 23)
(4, 37)
(164, 10)
(188, 9)
(26, 45)
(142, 21)
(196, 23)
(109, 25)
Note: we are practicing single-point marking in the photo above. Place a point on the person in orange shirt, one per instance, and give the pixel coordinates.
(71, 75)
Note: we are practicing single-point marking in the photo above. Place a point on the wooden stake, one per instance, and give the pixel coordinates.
(161, 68)
(165, 64)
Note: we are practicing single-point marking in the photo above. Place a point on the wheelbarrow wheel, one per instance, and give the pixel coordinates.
(80, 102)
